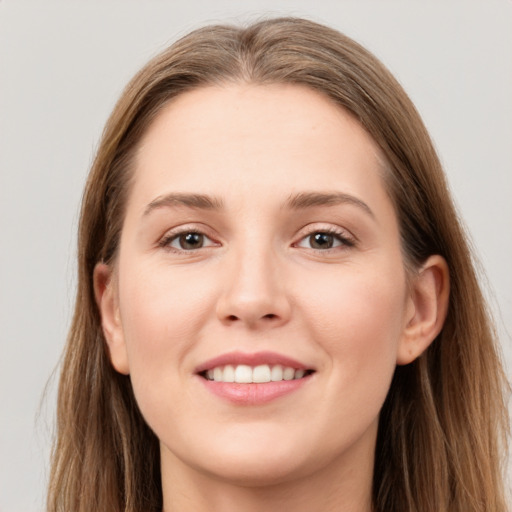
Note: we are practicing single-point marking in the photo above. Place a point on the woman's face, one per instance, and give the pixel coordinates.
(259, 243)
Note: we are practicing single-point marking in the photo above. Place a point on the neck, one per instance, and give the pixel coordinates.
(344, 485)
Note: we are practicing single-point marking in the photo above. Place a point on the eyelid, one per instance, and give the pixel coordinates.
(346, 238)
(173, 234)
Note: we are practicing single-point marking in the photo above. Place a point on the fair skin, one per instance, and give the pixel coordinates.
(293, 257)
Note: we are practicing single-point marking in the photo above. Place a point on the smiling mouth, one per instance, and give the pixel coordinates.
(245, 374)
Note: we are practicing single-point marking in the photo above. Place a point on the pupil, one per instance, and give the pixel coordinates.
(321, 241)
(191, 240)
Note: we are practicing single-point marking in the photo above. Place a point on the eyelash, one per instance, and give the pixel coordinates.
(338, 235)
(167, 240)
(344, 240)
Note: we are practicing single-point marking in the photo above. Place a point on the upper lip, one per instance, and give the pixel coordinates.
(254, 359)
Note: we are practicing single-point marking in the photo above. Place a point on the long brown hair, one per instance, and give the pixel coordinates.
(443, 426)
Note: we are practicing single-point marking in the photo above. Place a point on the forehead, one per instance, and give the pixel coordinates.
(236, 136)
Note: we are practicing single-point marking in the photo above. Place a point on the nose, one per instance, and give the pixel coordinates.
(254, 292)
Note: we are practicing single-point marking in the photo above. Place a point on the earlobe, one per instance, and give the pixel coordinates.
(427, 309)
(108, 305)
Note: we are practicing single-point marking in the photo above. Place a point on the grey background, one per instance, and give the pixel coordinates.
(63, 65)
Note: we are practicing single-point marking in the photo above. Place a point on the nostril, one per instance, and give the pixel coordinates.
(269, 316)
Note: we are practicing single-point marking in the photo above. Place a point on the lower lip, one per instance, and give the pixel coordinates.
(256, 393)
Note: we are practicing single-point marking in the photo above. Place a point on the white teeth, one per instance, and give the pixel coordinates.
(276, 373)
(217, 373)
(229, 373)
(288, 373)
(245, 374)
(299, 374)
(261, 373)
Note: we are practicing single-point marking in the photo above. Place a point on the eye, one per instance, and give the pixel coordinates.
(186, 241)
(324, 240)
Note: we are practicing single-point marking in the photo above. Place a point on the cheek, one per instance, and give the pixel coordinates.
(364, 303)
(162, 314)
(358, 323)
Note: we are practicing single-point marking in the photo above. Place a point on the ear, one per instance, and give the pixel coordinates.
(106, 298)
(426, 309)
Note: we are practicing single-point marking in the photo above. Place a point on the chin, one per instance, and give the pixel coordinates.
(262, 471)
(248, 457)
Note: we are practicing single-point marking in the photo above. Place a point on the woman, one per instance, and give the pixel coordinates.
(276, 304)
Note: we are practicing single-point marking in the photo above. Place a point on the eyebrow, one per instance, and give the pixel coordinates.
(300, 201)
(306, 200)
(199, 201)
